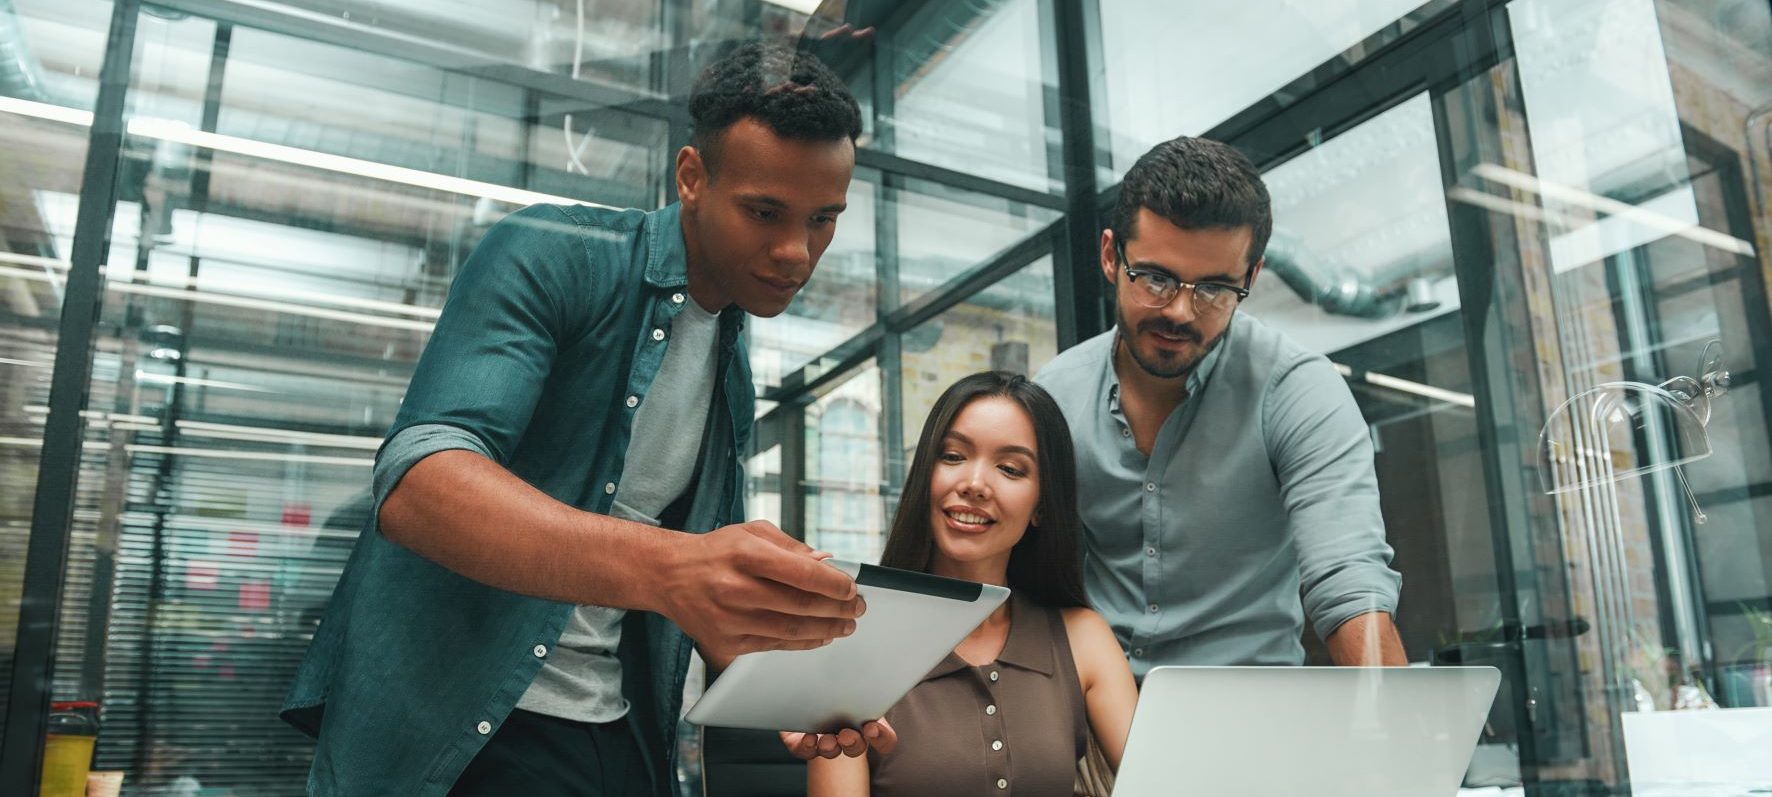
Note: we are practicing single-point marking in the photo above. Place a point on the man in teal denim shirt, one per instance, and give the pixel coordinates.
(492, 529)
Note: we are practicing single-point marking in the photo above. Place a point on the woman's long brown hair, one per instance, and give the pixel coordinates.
(1047, 563)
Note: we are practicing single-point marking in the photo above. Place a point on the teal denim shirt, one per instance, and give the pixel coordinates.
(552, 324)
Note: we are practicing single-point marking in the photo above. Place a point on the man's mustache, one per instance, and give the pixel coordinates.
(1172, 330)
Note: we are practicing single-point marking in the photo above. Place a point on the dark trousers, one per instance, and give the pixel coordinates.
(536, 755)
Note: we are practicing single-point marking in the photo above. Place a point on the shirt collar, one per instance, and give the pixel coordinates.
(667, 264)
(1029, 646)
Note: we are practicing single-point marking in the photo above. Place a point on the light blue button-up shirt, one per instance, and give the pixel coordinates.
(1257, 506)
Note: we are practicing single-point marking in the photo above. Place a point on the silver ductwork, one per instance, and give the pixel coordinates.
(1343, 290)
(21, 75)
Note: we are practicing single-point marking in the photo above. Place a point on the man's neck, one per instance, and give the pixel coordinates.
(1145, 389)
(1145, 400)
(695, 266)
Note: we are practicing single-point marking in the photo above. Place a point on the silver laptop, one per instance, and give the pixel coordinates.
(1318, 731)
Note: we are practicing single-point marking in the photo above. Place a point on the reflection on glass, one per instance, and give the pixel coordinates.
(263, 361)
(1632, 191)
(943, 232)
(1158, 54)
(940, 233)
(845, 514)
(1361, 245)
(970, 93)
(1006, 327)
(1587, 442)
(270, 284)
(614, 41)
(1601, 71)
(46, 88)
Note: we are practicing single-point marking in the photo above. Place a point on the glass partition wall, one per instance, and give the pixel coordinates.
(226, 228)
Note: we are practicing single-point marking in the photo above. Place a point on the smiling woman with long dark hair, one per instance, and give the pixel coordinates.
(991, 497)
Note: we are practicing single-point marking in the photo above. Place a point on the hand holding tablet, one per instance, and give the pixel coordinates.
(913, 620)
(749, 587)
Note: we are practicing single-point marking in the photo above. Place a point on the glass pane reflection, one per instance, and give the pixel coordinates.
(1008, 327)
(1249, 49)
(845, 513)
(42, 102)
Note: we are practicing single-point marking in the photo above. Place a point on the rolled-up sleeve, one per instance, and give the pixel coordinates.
(1322, 455)
(407, 446)
(485, 366)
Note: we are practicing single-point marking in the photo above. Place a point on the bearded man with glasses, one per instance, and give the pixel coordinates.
(1228, 472)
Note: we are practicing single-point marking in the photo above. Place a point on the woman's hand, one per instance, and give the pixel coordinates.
(877, 734)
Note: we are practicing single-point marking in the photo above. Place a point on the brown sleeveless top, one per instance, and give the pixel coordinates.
(1015, 726)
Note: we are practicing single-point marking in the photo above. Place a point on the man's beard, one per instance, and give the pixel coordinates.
(1162, 370)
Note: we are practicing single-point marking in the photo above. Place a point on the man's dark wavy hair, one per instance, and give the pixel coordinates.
(1196, 183)
(792, 92)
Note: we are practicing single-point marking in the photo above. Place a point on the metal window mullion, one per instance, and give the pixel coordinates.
(1478, 277)
(828, 369)
(889, 353)
(59, 465)
(1067, 26)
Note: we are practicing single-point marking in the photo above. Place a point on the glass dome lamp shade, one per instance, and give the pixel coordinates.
(1596, 437)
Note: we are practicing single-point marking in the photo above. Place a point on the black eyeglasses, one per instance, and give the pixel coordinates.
(1156, 289)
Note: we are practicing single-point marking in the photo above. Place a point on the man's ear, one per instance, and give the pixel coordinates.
(1110, 260)
(692, 176)
(1254, 272)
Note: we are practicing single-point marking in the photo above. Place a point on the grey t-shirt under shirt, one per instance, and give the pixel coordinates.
(581, 678)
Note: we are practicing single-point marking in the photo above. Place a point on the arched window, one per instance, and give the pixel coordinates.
(848, 477)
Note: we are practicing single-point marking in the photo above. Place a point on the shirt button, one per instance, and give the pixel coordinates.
(484, 727)
(1150, 487)
(609, 489)
(633, 401)
(1150, 552)
(658, 334)
(990, 709)
(995, 675)
(1002, 784)
(1138, 651)
(676, 298)
(541, 651)
(1125, 432)
(997, 745)
(1153, 608)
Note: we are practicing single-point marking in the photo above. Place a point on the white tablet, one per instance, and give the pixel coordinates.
(912, 621)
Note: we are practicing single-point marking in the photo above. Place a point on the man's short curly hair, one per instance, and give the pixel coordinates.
(1196, 183)
(791, 91)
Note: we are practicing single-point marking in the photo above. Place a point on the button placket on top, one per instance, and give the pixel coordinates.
(1151, 523)
(1150, 509)
(988, 678)
(1151, 517)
